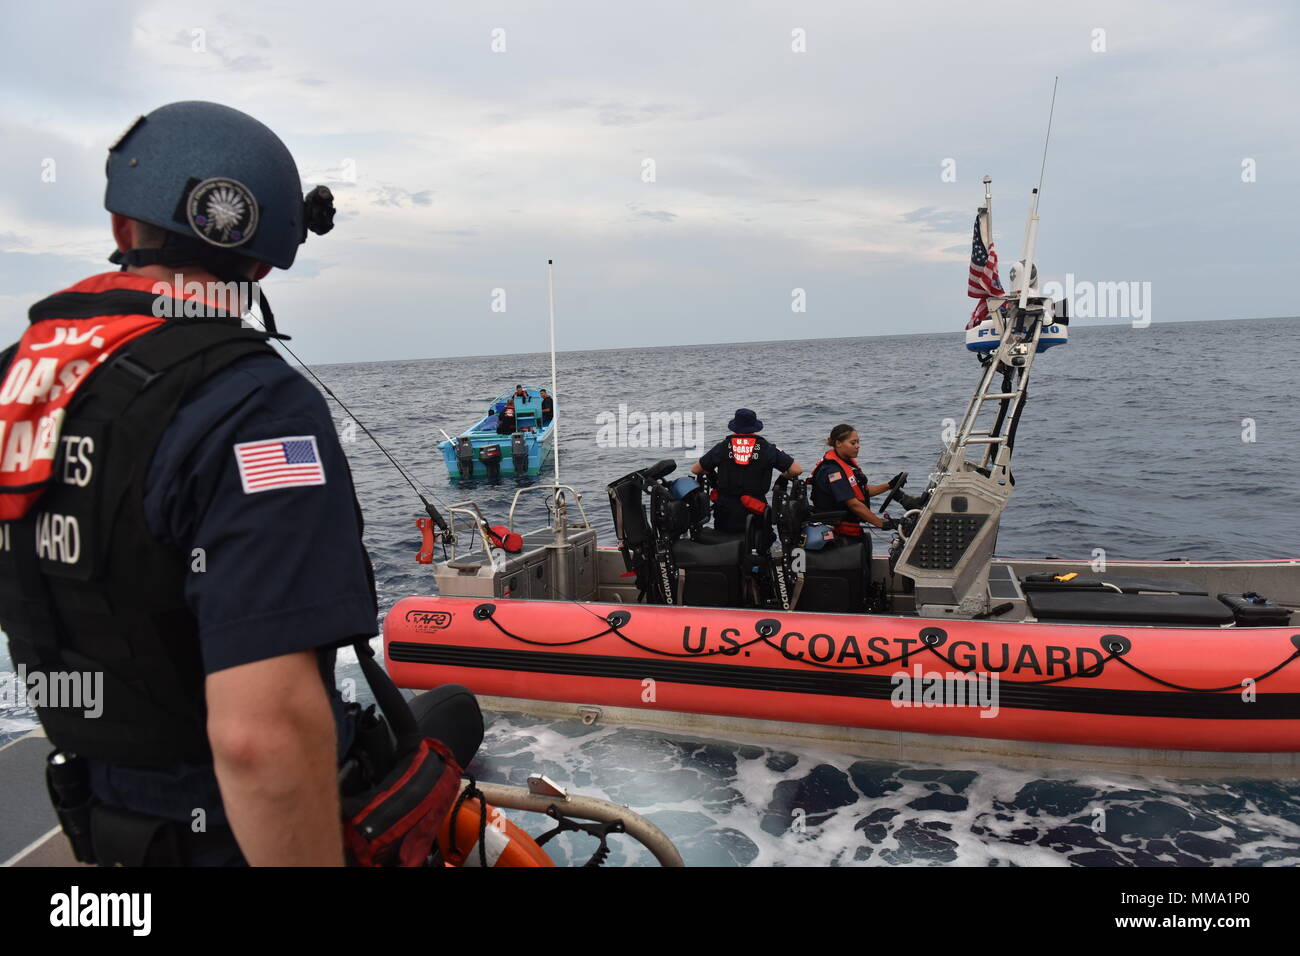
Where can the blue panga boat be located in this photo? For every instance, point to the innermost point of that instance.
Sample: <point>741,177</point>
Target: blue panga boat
<point>481,451</point>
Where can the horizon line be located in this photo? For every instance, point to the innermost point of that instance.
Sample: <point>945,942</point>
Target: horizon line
<point>830,338</point>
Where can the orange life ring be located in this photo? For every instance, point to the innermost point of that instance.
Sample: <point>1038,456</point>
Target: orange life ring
<point>506,844</point>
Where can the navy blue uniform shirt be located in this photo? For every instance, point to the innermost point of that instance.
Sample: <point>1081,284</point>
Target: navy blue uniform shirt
<point>283,568</point>
<point>832,488</point>
<point>829,479</point>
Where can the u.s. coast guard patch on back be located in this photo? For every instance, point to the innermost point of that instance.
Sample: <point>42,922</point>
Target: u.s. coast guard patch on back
<point>279,463</point>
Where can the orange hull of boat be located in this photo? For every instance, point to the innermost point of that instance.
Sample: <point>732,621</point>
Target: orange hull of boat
<point>1152,687</point>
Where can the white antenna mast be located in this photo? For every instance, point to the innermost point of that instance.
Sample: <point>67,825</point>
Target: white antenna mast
<point>555,423</point>
<point>1031,227</point>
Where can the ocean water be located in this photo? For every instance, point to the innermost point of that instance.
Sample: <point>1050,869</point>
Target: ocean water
<point>1176,440</point>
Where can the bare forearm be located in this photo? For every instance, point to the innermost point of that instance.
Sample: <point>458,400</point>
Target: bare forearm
<point>863,513</point>
<point>274,751</point>
<point>282,801</point>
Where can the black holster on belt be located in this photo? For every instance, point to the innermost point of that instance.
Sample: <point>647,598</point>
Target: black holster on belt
<point>110,836</point>
<point>125,838</point>
<point>68,780</point>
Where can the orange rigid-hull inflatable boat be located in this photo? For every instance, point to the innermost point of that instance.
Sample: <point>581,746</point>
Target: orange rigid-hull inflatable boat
<point>1168,688</point>
<point>793,622</point>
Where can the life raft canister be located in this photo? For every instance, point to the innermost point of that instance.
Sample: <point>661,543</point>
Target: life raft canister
<point>505,843</point>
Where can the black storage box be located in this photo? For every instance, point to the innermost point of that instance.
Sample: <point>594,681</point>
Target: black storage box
<point>1081,605</point>
<point>1252,610</point>
<point>1129,584</point>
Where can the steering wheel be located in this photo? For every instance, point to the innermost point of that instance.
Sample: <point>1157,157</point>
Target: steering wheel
<point>889,498</point>
<point>902,533</point>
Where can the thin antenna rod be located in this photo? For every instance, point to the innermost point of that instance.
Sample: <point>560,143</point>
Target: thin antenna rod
<point>988,206</point>
<point>555,422</point>
<point>419,493</point>
<point>1042,169</point>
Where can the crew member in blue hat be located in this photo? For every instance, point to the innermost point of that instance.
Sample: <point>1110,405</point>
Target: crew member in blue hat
<point>740,469</point>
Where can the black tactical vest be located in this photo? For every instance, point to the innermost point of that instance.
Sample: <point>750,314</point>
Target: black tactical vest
<point>84,585</point>
<point>753,479</point>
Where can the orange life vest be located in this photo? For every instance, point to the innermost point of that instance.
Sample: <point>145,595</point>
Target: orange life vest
<point>850,527</point>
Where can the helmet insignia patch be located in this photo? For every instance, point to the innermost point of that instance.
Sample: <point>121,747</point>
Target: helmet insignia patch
<point>222,211</point>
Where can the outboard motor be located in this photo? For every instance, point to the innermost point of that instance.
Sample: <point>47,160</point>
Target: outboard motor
<point>465,457</point>
<point>490,455</point>
<point>519,453</point>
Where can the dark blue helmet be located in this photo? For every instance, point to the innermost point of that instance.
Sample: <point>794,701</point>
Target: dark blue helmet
<point>218,179</point>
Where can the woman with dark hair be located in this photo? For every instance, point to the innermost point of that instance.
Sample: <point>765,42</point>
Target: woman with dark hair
<point>839,485</point>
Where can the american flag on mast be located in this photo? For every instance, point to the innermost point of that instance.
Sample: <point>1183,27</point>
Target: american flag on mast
<point>983,280</point>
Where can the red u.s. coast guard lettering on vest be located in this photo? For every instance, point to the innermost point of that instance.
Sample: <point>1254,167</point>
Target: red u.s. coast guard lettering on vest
<point>742,448</point>
<point>53,358</point>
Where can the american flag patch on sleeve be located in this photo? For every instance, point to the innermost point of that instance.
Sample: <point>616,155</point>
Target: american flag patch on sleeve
<point>279,463</point>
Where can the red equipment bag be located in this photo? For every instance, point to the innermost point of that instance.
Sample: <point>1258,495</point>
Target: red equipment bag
<point>401,817</point>
<point>505,539</point>
<point>395,820</point>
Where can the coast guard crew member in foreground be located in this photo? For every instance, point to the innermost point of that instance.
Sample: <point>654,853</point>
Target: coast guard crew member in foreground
<point>179,520</point>
<point>742,465</point>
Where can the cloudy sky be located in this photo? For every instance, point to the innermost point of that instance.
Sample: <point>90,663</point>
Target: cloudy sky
<point>833,147</point>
